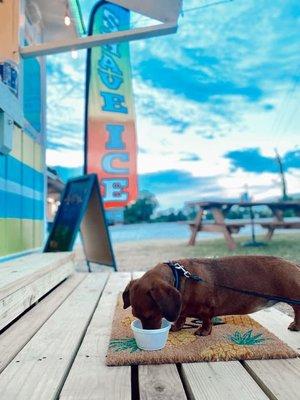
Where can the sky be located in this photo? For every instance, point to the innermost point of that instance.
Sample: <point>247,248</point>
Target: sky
<point>212,102</point>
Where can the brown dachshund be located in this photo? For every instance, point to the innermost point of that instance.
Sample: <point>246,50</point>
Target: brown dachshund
<point>154,296</point>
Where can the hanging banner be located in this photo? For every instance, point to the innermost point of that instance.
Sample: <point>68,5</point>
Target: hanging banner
<point>110,135</point>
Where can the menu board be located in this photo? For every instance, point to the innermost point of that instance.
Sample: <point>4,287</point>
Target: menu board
<point>81,209</point>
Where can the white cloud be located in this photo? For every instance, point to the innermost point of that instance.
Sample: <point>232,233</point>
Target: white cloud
<point>66,158</point>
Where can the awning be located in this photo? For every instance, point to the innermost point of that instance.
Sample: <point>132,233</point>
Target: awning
<point>162,10</point>
<point>58,36</point>
<point>52,14</point>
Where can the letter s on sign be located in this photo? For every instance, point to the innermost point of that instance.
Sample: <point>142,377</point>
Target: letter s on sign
<point>110,21</point>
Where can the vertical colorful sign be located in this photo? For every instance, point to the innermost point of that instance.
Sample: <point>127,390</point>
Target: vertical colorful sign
<point>110,135</point>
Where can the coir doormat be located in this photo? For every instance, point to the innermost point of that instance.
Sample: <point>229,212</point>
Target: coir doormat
<point>233,338</point>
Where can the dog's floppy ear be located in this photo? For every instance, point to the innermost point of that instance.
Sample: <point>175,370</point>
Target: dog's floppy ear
<point>168,300</point>
<point>126,295</point>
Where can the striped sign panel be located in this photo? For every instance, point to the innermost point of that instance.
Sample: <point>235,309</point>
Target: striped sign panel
<point>21,195</point>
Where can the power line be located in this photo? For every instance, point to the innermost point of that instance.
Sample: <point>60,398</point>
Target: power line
<point>280,122</point>
<point>289,120</point>
<point>187,10</point>
<point>215,3</point>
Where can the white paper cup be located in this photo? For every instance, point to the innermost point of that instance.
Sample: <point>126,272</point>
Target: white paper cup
<point>150,339</point>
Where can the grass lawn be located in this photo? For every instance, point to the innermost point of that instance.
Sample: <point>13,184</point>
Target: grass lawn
<point>143,255</point>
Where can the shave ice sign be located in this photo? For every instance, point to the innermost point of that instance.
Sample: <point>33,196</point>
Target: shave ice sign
<point>110,117</point>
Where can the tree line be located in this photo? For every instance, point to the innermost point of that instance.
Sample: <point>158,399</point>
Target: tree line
<point>144,210</point>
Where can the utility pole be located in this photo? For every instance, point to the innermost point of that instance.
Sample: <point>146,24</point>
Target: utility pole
<point>281,171</point>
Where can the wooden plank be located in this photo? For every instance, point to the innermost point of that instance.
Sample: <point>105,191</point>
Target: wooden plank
<point>218,215</point>
<point>21,271</point>
<point>220,381</point>
<point>40,368</point>
<point>33,261</point>
<point>279,378</point>
<point>277,322</point>
<point>61,46</point>
<point>16,336</point>
<point>19,262</point>
<point>15,303</point>
<point>160,382</point>
<point>281,225</point>
<point>220,222</point>
<point>89,377</point>
<point>196,227</point>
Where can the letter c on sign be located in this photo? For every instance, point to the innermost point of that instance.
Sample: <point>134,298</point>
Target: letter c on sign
<point>107,163</point>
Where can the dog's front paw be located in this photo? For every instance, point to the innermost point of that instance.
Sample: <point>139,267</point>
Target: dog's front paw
<point>294,327</point>
<point>202,332</point>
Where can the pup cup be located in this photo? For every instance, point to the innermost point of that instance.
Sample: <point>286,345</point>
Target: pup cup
<point>150,339</point>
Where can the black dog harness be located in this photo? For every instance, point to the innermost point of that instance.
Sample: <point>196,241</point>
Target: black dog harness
<point>179,271</point>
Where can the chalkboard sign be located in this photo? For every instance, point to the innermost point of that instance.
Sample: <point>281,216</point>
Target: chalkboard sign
<point>81,208</point>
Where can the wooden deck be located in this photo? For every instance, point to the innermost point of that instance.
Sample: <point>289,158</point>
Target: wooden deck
<point>56,350</point>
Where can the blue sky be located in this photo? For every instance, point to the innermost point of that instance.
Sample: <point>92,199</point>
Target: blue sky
<point>212,102</point>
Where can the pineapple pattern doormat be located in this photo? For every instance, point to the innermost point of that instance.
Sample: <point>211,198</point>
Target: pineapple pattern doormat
<point>233,337</point>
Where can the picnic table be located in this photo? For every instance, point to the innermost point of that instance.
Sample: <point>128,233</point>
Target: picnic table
<point>228,227</point>
<point>57,345</point>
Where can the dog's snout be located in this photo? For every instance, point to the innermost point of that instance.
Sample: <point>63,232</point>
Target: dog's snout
<point>151,323</point>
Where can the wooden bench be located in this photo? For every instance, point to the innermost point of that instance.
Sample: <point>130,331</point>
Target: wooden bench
<point>57,350</point>
<point>226,227</point>
<point>271,226</point>
<point>23,281</point>
<point>233,227</point>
